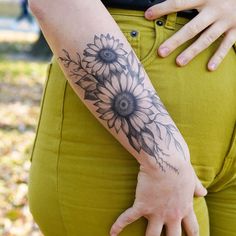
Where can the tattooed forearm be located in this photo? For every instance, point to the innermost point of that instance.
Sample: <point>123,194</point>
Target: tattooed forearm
<point>113,80</point>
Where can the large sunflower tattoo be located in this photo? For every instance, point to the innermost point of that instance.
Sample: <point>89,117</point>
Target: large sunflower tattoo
<point>123,102</point>
<point>113,80</point>
<point>105,55</point>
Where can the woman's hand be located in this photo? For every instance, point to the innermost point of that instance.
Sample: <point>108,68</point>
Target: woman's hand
<point>215,18</point>
<point>164,198</point>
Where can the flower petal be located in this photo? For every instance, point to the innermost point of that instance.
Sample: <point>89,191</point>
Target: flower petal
<point>133,123</point>
<point>115,83</point>
<point>91,64</point>
<point>138,89</point>
<point>104,98</point>
<point>103,105</point>
<point>143,116</point>
<point>144,103</point>
<point>146,111</point>
<point>110,88</point>
<point>105,91</point>
<point>125,126</point>
<point>143,94</point>
<point>123,81</point>
<point>106,71</point>
<point>98,42</point>
<point>89,59</point>
<point>104,41</point>
<point>122,61</point>
<point>138,121</point>
<point>101,70</point>
<point>129,82</point>
<point>111,122</point>
<point>116,43</point>
<point>97,66</point>
<point>112,67</point>
<point>118,67</point>
<point>118,124</point>
<point>90,52</point>
<point>121,51</point>
<point>107,116</point>
<point>93,47</point>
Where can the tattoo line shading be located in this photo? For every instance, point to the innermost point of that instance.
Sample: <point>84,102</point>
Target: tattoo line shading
<point>114,81</point>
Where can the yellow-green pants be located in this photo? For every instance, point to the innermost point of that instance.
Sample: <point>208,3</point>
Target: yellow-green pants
<point>81,178</point>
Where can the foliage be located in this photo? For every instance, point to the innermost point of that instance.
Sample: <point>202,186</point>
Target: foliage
<point>21,85</point>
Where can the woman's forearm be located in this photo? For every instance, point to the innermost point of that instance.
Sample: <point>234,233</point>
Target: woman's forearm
<point>103,70</point>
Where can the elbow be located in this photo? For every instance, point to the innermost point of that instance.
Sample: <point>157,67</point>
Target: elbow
<point>37,7</point>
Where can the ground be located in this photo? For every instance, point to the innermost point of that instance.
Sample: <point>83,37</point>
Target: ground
<point>21,86</point>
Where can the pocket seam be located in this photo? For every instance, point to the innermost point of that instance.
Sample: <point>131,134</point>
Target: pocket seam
<point>41,108</point>
<point>228,160</point>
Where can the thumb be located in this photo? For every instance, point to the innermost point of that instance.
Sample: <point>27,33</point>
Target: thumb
<point>200,191</point>
<point>127,217</point>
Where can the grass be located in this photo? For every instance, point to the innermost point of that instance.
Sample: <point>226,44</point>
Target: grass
<point>9,10</point>
<point>21,86</point>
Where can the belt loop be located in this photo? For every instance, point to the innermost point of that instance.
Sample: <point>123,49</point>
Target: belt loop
<point>171,21</point>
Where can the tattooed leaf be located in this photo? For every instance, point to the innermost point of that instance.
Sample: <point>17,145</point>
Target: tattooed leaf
<point>135,144</point>
<point>133,64</point>
<point>148,143</point>
<point>172,128</point>
<point>88,82</point>
<point>158,130</point>
<point>179,148</point>
<point>90,96</point>
<point>168,139</point>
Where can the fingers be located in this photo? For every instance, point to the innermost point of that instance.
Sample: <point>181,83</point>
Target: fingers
<point>190,224</point>
<point>200,190</point>
<point>170,6</point>
<point>154,228</point>
<point>127,217</point>
<point>225,46</point>
<point>188,31</point>
<point>174,229</point>
<point>203,42</point>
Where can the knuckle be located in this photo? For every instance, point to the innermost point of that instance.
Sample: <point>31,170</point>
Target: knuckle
<point>220,56</point>
<point>195,50</point>
<point>209,39</point>
<point>194,230</point>
<point>192,30</point>
<point>176,41</point>
<point>178,5</point>
<point>231,40</point>
<point>129,218</point>
<point>175,215</point>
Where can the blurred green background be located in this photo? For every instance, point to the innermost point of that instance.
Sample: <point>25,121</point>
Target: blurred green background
<point>22,74</point>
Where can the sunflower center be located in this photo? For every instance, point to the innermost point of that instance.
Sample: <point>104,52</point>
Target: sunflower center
<point>124,104</point>
<point>107,55</point>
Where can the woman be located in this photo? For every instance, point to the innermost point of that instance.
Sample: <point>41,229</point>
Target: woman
<point>81,178</point>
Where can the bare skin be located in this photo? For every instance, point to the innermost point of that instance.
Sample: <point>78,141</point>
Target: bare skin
<point>104,72</point>
<point>215,18</point>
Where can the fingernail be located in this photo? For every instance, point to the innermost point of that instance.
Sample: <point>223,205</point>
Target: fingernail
<point>182,60</point>
<point>212,66</point>
<point>164,51</point>
<point>148,14</point>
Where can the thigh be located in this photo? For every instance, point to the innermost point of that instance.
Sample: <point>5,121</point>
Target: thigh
<point>221,198</point>
<point>222,212</point>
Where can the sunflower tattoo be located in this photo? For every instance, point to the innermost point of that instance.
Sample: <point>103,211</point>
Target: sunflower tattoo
<point>114,81</point>
<point>105,55</point>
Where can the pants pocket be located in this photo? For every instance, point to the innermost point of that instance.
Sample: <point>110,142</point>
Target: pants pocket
<point>140,33</point>
<point>227,175</point>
